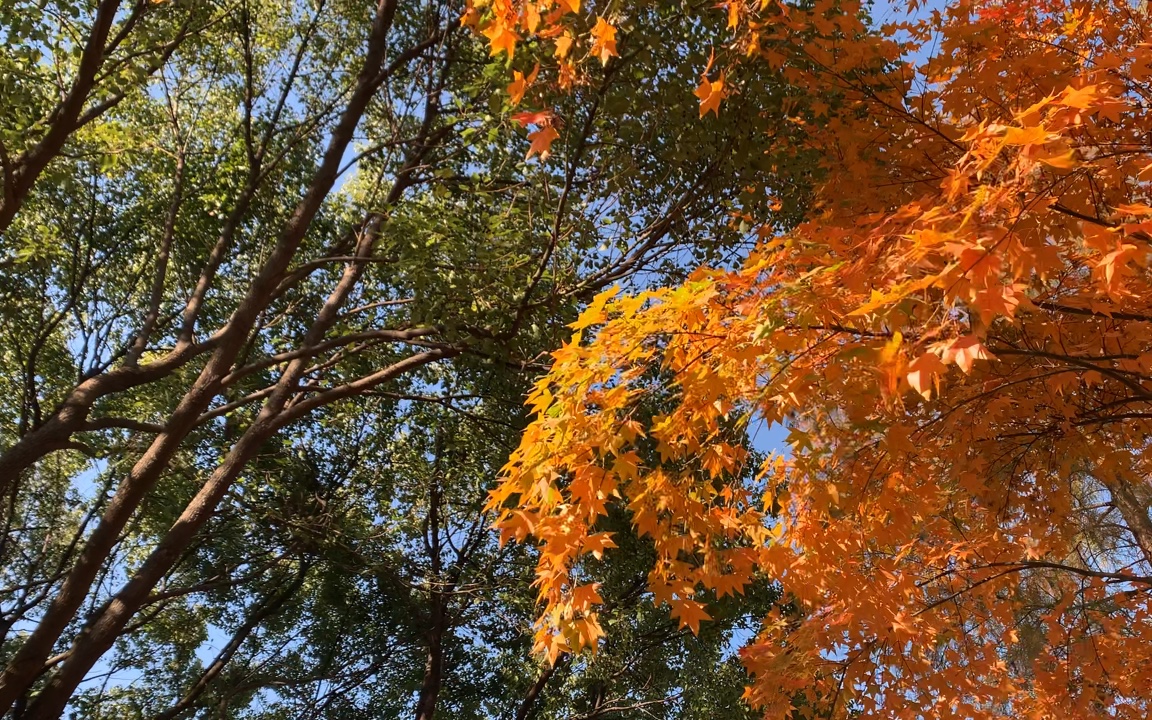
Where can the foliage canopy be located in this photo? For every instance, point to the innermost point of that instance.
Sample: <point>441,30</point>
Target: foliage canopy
<point>957,341</point>
<point>275,278</point>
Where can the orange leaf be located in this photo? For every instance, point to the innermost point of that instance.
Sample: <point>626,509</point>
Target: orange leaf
<point>533,117</point>
<point>1134,209</point>
<point>542,140</point>
<point>1063,161</point>
<point>603,40</point>
<point>501,37</point>
<point>1025,136</point>
<point>598,543</point>
<point>924,373</point>
<point>689,613</point>
<point>588,631</point>
<point>531,17</point>
<point>1080,99</point>
<point>596,312</point>
<point>710,92</point>
<point>517,87</point>
<point>585,596</point>
<point>965,351</point>
<point>470,18</point>
<point>520,84</point>
<point>564,45</point>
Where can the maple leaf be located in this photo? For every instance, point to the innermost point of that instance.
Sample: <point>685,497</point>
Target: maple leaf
<point>603,40</point>
<point>542,140</point>
<point>728,585</point>
<point>1134,209</point>
<point>710,92</point>
<point>591,489</point>
<point>516,88</point>
<point>1060,160</point>
<point>965,351</point>
<point>1025,135</point>
<point>520,84</point>
<point>572,6</point>
<point>626,465</point>
<point>595,313</point>
<point>733,14</point>
<point>585,596</point>
<point>541,397</point>
<point>1114,266</point>
<point>924,373</point>
<point>470,18</point>
<point>598,543</point>
<point>531,17</point>
<point>564,45</point>
<point>501,37</point>
<point>551,646</point>
<point>689,613</point>
<point>1080,98</point>
<point>567,77</point>
<point>517,525</point>
<point>646,521</point>
<point>588,631</point>
<point>662,592</point>
<point>533,117</point>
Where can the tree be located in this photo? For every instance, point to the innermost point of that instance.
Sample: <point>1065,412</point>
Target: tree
<point>257,262</point>
<point>956,341</point>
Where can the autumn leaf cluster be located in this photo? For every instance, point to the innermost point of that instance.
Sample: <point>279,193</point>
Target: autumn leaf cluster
<point>958,343</point>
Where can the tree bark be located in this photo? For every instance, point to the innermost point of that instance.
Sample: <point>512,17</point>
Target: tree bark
<point>433,664</point>
<point>528,706</point>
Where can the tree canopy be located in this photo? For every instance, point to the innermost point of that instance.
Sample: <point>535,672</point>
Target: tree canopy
<point>277,277</point>
<point>956,340</point>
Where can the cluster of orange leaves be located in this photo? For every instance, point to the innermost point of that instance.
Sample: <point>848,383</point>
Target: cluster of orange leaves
<point>959,342</point>
<point>506,23</point>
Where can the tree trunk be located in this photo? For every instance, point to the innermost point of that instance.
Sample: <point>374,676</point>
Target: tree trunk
<point>433,664</point>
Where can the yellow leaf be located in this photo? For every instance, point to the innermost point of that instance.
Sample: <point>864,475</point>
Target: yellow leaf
<point>891,348</point>
<point>594,314</point>
<point>1025,135</point>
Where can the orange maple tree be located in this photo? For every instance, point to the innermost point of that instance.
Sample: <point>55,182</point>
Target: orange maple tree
<point>959,342</point>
